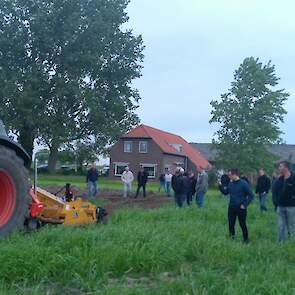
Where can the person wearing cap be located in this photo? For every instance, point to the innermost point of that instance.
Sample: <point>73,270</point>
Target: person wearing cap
<point>178,186</point>
<point>201,188</point>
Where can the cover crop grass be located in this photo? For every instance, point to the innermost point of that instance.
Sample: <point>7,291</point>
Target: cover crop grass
<point>151,252</point>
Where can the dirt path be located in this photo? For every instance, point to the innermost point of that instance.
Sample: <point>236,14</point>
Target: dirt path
<point>113,199</point>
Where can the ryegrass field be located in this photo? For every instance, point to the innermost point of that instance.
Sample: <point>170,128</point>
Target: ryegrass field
<point>151,252</point>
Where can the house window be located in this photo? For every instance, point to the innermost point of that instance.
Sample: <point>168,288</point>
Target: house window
<point>143,147</point>
<point>177,146</point>
<point>127,146</point>
<point>119,168</point>
<point>151,169</point>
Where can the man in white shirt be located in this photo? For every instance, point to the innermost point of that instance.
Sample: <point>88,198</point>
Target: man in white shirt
<point>127,179</point>
<point>168,181</point>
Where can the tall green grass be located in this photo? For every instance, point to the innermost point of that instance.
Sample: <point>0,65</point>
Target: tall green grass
<point>152,252</point>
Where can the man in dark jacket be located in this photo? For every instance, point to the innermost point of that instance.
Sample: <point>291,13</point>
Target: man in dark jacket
<point>142,178</point>
<point>274,179</point>
<point>190,184</point>
<point>162,182</point>
<point>285,191</point>
<point>262,189</point>
<point>240,197</point>
<point>91,179</point>
<point>178,185</point>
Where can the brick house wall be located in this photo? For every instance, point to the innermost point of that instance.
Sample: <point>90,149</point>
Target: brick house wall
<point>172,161</point>
<point>134,159</point>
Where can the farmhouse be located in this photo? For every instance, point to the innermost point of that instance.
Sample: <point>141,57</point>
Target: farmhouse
<point>155,150</point>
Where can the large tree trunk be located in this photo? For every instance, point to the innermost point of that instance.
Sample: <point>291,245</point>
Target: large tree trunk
<point>26,139</point>
<point>53,156</point>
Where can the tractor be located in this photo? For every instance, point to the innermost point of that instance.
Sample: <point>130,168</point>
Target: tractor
<point>24,206</point>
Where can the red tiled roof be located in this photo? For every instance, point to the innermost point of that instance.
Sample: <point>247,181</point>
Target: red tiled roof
<point>165,139</point>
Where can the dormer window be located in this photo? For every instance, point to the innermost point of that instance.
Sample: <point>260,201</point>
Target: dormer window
<point>177,146</point>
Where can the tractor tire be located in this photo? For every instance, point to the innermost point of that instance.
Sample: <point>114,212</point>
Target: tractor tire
<point>14,192</point>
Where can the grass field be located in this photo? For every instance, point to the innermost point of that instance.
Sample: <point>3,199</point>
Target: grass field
<point>151,252</point>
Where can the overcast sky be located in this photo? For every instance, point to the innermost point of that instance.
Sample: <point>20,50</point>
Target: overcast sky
<point>192,50</point>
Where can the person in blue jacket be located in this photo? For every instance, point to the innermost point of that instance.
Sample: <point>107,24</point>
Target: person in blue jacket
<point>91,179</point>
<point>241,196</point>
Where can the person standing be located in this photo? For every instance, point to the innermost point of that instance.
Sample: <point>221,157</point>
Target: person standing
<point>241,196</point>
<point>127,179</point>
<point>178,187</point>
<point>168,182</point>
<point>274,179</point>
<point>192,181</point>
<point>69,194</point>
<point>201,188</point>
<point>91,179</point>
<point>162,182</point>
<point>262,189</point>
<point>142,178</point>
<point>285,191</point>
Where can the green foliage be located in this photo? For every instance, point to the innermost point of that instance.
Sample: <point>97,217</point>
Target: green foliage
<point>66,156</point>
<point>66,70</point>
<point>151,252</point>
<point>212,178</point>
<point>249,115</point>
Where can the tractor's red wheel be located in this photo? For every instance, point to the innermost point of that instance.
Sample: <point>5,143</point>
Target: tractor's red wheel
<point>7,197</point>
<point>14,192</point>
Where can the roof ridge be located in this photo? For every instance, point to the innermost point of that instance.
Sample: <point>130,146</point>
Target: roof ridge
<point>157,129</point>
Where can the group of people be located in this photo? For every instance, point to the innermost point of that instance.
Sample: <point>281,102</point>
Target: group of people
<point>189,186</point>
<point>241,195</point>
<point>184,185</point>
<point>127,180</point>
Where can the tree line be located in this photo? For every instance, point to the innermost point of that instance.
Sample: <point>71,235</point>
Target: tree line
<point>66,72</point>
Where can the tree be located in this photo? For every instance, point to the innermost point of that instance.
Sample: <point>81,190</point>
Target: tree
<point>249,115</point>
<point>71,70</point>
<point>85,152</point>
